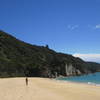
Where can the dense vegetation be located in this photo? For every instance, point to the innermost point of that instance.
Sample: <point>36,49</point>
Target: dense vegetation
<point>18,58</point>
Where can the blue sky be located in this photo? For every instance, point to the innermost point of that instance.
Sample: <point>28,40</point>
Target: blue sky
<point>69,26</point>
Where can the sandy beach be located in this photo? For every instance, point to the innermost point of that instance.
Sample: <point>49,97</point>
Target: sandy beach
<point>46,89</point>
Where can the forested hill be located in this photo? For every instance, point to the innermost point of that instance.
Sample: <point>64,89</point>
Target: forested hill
<point>18,58</point>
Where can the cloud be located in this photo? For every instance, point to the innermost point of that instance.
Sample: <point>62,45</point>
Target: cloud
<point>97,26</point>
<point>94,27</point>
<point>88,57</point>
<point>72,27</point>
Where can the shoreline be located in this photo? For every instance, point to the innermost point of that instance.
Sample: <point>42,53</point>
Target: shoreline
<point>78,79</point>
<point>57,80</point>
<point>84,83</point>
<point>46,89</point>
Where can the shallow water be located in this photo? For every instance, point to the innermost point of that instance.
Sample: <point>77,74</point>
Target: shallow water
<point>90,78</point>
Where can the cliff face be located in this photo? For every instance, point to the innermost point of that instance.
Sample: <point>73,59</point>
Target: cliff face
<point>71,70</point>
<point>18,58</point>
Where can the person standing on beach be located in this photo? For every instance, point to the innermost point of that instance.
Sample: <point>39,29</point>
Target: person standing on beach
<point>26,81</point>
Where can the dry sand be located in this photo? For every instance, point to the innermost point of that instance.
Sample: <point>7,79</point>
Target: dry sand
<point>46,89</point>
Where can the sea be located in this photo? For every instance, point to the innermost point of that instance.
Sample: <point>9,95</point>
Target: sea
<point>93,79</point>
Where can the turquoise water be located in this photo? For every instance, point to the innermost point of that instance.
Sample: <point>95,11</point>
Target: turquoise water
<point>90,79</point>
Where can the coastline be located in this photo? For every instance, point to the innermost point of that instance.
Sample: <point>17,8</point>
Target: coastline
<point>91,79</point>
<point>84,83</point>
<point>46,89</point>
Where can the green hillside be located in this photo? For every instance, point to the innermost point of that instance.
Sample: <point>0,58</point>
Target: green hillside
<point>18,58</point>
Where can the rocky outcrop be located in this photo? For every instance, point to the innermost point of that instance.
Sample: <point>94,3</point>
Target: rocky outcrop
<point>70,70</point>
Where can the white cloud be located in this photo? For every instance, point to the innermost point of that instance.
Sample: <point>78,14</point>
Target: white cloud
<point>88,57</point>
<point>94,27</point>
<point>97,26</point>
<point>72,27</point>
